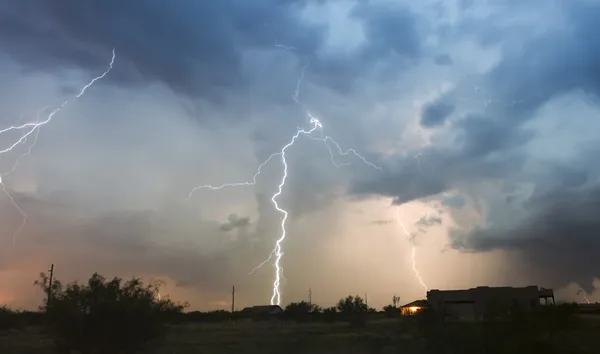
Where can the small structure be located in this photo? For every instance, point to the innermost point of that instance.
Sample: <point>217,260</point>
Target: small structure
<point>485,300</point>
<point>413,307</point>
<point>262,313</point>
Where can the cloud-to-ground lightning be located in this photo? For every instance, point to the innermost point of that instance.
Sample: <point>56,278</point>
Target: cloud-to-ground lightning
<point>582,293</point>
<point>414,250</point>
<point>34,128</point>
<point>277,252</point>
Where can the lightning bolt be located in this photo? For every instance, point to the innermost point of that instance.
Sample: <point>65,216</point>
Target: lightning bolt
<point>299,82</point>
<point>414,250</point>
<point>277,251</point>
<point>34,128</point>
<point>582,293</point>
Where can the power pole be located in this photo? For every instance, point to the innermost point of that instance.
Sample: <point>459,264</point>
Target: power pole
<point>233,300</point>
<point>310,296</point>
<point>366,300</point>
<point>50,286</point>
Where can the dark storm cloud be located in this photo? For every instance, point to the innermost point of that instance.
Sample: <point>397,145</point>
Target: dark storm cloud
<point>467,161</point>
<point>234,222</point>
<point>443,60</point>
<point>195,47</point>
<point>382,222</point>
<point>436,113</point>
<point>548,66</point>
<point>559,243</point>
<point>391,39</point>
<point>558,237</point>
<point>429,220</point>
<point>192,46</point>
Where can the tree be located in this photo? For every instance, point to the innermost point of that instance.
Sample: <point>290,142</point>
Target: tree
<point>352,305</point>
<point>301,311</point>
<point>353,309</point>
<point>393,310</point>
<point>330,314</point>
<point>107,316</point>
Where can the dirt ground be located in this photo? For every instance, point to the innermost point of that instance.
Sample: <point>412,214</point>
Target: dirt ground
<point>378,336</point>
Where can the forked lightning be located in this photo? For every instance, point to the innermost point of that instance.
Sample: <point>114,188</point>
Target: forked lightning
<point>277,252</point>
<point>34,128</point>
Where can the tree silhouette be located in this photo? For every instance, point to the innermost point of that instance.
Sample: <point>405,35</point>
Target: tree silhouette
<point>107,316</point>
<point>354,310</point>
<point>352,305</point>
<point>301,311</point>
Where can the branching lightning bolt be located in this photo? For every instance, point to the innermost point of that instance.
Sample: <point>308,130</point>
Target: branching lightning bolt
<point>582,293</point>
<point>277,252</point>
<point>414,250</point>
<point>296,94</point>
<point>34,128</point>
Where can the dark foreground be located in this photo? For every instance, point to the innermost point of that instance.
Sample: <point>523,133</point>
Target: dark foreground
<point>401,335</point>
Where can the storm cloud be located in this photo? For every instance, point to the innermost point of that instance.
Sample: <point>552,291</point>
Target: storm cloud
<point>485,109</point>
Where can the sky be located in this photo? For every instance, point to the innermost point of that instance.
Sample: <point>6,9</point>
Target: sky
<point>481,114</point>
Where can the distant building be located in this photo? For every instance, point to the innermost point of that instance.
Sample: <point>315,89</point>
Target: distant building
<point>262,312</point>
<point>483,300</point>
<point>413,307</point>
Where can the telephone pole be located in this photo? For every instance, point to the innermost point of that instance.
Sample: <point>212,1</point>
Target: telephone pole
<point>366,301</point>
<point>50,286</point>
<point>233,299</point>
<point>310,296</point>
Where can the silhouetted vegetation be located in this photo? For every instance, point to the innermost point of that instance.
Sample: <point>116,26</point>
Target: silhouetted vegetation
<point>393,310</point>
<point>302,311</point>
<point>354,310</point>
<point>106,316</point>
<point>113,316</point>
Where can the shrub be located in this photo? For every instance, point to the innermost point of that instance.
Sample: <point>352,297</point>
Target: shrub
<point>8,318</point>
<point>330,314</point>
<point>107,316</point>
<point>354,310</point>
<point>392,311</point>
<point>301,311</point>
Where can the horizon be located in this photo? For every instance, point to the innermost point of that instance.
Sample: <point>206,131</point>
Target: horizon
<point>338,145</point>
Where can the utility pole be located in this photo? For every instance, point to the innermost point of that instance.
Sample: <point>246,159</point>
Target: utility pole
<point>366,300</point>
<point>310,296</point>
<point>50,286</point>
<point>233,299</point>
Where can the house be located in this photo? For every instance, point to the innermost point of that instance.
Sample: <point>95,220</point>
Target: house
<point>414,307</point>
<point>485,300</point>
<point>262,312</point>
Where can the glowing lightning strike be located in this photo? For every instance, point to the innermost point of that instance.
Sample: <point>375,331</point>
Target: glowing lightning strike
<point>277,252</point>
<point>296,94</point>
<point>34,128</point>
<point>413,256</point>
<point>582,292</point>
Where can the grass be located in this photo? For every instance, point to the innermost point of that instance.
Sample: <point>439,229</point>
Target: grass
<point>383,336</point>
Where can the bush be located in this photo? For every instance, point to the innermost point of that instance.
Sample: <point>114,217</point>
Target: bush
<point>107,316</point>
<point>8,318</point>
<point>354,310</point>
<point>392,311</point>
<point>301,311</point>
<point>330,314</point>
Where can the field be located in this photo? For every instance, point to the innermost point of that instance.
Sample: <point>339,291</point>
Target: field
<point>379,335</point>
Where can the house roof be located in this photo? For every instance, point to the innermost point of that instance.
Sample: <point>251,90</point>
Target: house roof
<point>262,309</point>
<point>417,303</point>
